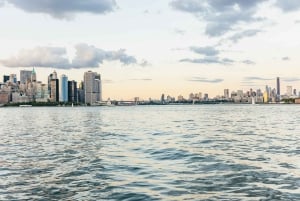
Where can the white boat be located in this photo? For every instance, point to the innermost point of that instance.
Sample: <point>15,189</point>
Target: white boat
<point>25,105</point>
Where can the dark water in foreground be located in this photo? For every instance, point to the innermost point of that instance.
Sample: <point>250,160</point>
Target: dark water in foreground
<point>213,152</point>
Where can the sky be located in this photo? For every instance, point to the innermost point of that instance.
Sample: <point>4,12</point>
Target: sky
<point>148,47</point>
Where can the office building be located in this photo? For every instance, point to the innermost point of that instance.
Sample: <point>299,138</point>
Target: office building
<point>54,93</point>
<point>13,78</point>
<point>92,87</point>
<point>226,93</point>
<point>25,76</point>
<point>72,91</point>
<point>289,90</point>
<point>278,86</point>
<point>63,88</point>
<point>51,77</point>
<point>33,76</point>
<point>5,78</point>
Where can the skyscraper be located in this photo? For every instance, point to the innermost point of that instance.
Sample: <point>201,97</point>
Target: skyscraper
<point>5,78</point>
<point>63,89</point>
<point>92,87</point>
<point>54,95</point>
<point>25,76</point>
<point>289,90</point>
<point>33,75</point>
<point>51,77</point>
<point>226,93</point>
<point>278,86</point>
<point>72,91</point>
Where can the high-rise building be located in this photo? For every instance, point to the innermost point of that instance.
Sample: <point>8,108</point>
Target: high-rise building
<point>51,77</point>
<point>295,92</point>
<point>13,78</point>
<point>54,94</point>
<point>289,90</point>
<point>5,78</point>
<point>92,87</point>
<point>80,93</point>
<point>278,86</point>
<point>226,93</point>
<point>25,76</point>
<point>63,89</point>
<point>33,75</point>
<point>72,91</point>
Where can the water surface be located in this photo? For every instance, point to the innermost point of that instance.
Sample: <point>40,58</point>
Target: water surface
<point>201,152</point>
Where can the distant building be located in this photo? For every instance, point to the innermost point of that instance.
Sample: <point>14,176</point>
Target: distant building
<point>72,91</point>
<point>289,91</point>
<point>54,95</point>
<point>205,97</point>
<point>63,88</point>
<point>51,77</point>
<point>226,93</point>
<point>42,94</point>
<point>278,86</point>
<point>5,78</point>
<point>266,97</point>
<point>80,93</point>
<point>33,76</point>
<point>4,97</point>
<point>162,99</point>
<point>25,76</point>
<point>180,98</point>
<point>295,92</point>
<point>92,87</point>
<point>13,78</point>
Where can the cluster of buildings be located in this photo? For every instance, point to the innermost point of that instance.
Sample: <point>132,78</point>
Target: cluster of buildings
<point>59,89</point>
<point>269,95</point>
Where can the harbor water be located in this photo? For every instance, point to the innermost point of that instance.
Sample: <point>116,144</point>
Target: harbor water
<point>179,152</point>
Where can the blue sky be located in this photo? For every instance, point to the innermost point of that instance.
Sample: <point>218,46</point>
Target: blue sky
<point>148,47</point>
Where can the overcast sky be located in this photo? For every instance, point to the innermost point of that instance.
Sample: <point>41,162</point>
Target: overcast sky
<point>148,47</point>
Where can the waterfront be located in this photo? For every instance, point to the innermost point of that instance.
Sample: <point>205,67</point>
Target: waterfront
<point>191,152</point>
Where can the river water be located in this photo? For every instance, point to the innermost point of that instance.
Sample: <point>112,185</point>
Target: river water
<point>200,152</point>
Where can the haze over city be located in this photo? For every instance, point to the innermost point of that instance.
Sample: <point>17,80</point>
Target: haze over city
<point>146,48</point>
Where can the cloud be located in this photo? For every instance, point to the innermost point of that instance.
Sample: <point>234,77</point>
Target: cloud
<point>207,51</point>
<point>86,56</point>
<point>142,79</point>
<point>108,81</point>
<point>209,60</point>
<point>61,9</point>
<point>253,78</point>
<point>205,80</point>
<point>248,62</point>
<point>247,33</point>
<point>297,21</point>
<point>288,5</point>
<point>144,63</point>
<point>39,56</point>
<point>290,79</point>
<point>221,16</point>
<point>179,31</point>
<point>285,58</point>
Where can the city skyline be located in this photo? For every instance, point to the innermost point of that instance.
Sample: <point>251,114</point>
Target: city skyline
<point>148,48</point>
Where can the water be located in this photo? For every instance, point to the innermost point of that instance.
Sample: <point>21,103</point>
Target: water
<point>201,152</point>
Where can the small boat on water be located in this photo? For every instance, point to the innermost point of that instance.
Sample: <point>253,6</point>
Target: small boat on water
<point>25,105</point>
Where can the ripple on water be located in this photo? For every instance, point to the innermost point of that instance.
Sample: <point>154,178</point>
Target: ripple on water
<point>200,152</point>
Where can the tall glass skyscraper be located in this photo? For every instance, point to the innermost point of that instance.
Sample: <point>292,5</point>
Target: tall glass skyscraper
<point>63,90</point>
<point>278,86</point>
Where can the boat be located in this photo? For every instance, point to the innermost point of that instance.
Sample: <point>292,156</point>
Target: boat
<point>25,105</point>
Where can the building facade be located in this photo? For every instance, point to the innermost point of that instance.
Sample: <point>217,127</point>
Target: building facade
<point>63,88</point>
<point>92,87</point>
